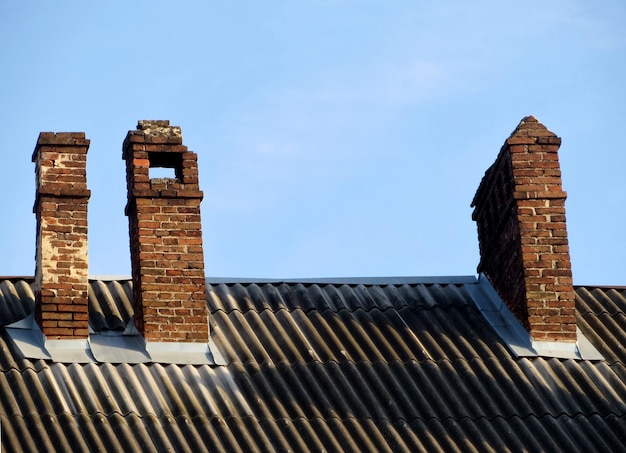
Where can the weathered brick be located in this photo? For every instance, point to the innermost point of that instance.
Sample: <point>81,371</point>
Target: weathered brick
<point>61,211</point>
<point>166,237</point>
<point>524,251</point>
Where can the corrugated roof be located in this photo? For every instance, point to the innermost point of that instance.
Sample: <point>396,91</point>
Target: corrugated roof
<point>327,366</point>
<point>601,312</point>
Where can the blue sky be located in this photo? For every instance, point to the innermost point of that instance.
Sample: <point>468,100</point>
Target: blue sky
<point>335,137</point>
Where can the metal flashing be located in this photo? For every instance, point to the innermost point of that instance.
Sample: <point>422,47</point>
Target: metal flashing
<point>69,351</point>
<point>218,358</point>
<point>126,346</point>
<point>557,349</point>
<point>33,344</point>
<point>119,348</point>
<point>516,338</point>
<point>28,338</point>
<point>586,350</point>
<point>182,353</point>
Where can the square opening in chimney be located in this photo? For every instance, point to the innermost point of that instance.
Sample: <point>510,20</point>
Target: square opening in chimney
<point>166,165</point>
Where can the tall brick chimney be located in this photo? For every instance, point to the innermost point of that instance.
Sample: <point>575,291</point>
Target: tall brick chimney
<point>61,275</point>
<point>165,236</point>
<point>519,209</point>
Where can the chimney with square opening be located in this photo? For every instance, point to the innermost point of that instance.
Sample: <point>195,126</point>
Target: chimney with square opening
<point>165,235</point>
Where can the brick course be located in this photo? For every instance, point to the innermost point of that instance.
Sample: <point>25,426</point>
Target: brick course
<point>165,235</point>
<point>61,274</point>
<point>519,209</point>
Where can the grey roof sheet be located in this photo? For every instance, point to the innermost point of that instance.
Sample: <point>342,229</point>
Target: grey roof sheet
<point>601,312</point>
<point>323,366</point>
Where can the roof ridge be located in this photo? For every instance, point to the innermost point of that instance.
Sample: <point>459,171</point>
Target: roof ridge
<point>351,281</point>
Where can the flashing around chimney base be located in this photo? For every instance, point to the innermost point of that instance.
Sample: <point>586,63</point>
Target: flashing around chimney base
<point>109,347</point>
<point>33,344</point>
<point>516,338</point>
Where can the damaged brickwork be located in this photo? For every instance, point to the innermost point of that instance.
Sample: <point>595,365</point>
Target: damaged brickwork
<point>165,236</point>
<point>61,275</point>
<point>519,210</point>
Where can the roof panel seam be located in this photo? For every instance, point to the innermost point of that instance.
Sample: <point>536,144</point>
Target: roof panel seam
<point>367,362</point>
<point>432,308</point>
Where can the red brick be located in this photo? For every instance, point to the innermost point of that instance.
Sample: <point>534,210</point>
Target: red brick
<point>527,257</point>
<point>166,244</point>
<point>61,208</point>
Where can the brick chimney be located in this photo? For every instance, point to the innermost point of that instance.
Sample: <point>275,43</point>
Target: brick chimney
<point>519,210</point>
<point>165,236</point>
<point>61,275</point>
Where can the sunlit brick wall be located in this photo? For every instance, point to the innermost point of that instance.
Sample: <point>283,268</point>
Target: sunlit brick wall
<point>165,235</point>
<point>61,275</point>
<point>519,209</point>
